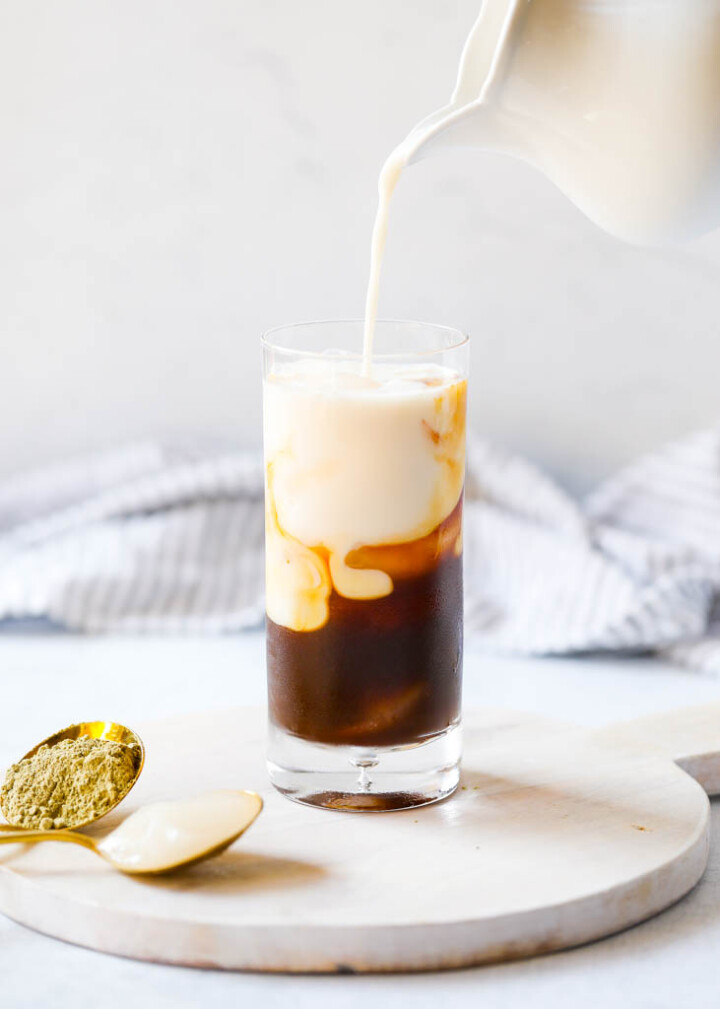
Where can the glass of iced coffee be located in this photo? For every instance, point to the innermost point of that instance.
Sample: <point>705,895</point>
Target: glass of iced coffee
<point>364,464</point>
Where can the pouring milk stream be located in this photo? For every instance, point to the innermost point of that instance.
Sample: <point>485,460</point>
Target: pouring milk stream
<point>616,101</point>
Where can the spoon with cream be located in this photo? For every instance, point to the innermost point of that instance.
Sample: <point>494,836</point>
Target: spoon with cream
<point>163,836</point>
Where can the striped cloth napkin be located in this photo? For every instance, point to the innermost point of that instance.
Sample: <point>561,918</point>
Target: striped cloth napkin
<point>154,538</point>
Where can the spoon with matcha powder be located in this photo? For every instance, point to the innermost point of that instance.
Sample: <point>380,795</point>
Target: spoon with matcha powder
<point>73,777</point>
<point>163,836</point>
<point>79,774</point>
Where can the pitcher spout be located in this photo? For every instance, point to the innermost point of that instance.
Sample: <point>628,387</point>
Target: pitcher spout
<point>480,125</point>
<point>473,117</point>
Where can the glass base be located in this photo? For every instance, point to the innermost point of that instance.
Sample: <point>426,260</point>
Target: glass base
<point>364,780</point>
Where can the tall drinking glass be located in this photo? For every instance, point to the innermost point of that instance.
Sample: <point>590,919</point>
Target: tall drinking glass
<point>364,474</point>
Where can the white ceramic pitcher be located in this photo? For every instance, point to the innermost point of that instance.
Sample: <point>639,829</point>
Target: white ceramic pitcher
<point>616,101</point>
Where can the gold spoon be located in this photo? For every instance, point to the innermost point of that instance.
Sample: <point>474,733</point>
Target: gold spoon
<point>113,731</point>
<point>163,836</point>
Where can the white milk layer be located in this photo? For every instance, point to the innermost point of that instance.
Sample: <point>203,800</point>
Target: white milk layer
<point>353,461</point>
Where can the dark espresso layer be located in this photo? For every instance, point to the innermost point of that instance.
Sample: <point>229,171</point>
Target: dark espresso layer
<point>381,672</point>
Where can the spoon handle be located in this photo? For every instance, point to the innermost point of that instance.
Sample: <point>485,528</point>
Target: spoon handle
<point>10,836</point>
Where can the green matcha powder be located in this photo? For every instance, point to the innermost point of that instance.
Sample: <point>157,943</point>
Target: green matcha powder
<point>67,784</point>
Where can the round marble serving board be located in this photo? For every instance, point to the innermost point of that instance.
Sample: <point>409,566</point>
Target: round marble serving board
<point>557,836</point>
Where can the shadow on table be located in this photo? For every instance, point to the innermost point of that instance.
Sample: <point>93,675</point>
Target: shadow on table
<point>238,872</point>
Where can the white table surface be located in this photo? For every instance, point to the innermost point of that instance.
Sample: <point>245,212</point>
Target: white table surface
<point>50,681</point>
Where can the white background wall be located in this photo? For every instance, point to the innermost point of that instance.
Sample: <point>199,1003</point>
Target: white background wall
<point>176,176</point>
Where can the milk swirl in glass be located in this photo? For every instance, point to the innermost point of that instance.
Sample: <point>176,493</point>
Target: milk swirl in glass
<point>364,485</point>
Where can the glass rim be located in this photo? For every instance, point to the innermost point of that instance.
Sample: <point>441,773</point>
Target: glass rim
<point>462,339</point>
